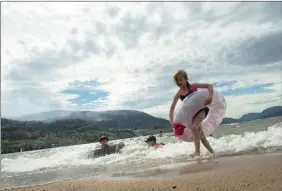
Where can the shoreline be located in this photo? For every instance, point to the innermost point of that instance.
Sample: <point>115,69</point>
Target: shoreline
<point>244,172</point>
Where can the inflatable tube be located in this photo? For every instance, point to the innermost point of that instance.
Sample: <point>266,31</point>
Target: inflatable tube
<point>105,151</point>
<point>192,104</point>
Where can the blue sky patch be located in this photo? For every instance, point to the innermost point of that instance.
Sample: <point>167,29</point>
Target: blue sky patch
<point>85,91</point>
<point>272,100</point>
<point>84,84</point>
<point>85,95</point>
<point>258,88</point>
<point>224,83</point>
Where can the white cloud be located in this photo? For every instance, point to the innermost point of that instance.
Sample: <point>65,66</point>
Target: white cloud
<point>238,105</point>
<point>133,49</point>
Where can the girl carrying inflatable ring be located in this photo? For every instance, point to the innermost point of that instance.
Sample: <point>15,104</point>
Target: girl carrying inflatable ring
<point>200,114</point>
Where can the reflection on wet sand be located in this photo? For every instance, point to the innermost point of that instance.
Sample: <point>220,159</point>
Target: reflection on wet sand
<point>167,171</point>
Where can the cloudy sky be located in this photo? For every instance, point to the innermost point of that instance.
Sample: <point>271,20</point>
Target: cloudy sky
<point>102,56</point>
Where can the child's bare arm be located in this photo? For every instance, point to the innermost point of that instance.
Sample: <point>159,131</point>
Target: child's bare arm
<point>204,86</point>
<point>172,107</point>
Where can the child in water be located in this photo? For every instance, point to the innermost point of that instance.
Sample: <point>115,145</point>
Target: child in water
<point>152,142</point>
<point>181,80</point>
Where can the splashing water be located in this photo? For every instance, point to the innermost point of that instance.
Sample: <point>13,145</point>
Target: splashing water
<point>135,155</point>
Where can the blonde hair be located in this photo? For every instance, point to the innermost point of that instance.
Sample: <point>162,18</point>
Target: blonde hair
<point>180,72</point>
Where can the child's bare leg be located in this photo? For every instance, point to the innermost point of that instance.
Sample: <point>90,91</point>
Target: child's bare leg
<point>207,145</point>
<point>204,140</point>
<point>195,131</point>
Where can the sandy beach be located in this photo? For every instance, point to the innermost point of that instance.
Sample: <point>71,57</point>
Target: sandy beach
<point>255,172</point>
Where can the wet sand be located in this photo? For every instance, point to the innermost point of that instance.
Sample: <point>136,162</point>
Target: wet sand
<point>256,172</point>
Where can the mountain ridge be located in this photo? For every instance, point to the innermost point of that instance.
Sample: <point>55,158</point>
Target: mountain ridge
<point>94,116</point>
<point>274,111</point>
<point>125,119</point>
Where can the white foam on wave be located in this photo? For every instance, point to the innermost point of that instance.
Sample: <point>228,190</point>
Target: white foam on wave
<point>136,151</point>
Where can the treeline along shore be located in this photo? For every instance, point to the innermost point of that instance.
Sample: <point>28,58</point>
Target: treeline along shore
<point>20,136</point>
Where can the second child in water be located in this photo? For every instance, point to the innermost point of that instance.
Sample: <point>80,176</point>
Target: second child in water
<point>185,88</point>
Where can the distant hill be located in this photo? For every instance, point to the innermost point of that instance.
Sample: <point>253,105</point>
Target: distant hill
<point>124,119</point>
<point>128,119</point>
<point>269,112</point>
<point>131,118</point>
<point>228,120</point>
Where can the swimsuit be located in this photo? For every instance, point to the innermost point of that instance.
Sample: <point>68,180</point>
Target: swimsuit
<point>158,145</point>
<point>191,90</point>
